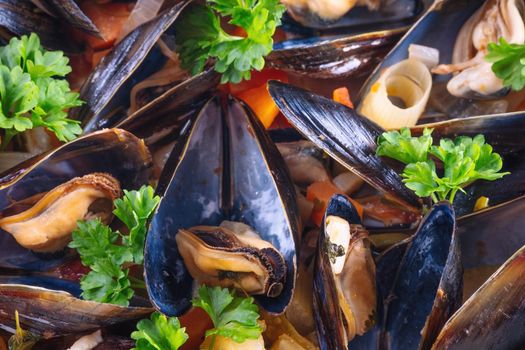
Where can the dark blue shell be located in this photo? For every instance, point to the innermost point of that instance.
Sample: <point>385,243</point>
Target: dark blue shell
<point>113,151</point>
<point>225,168</point>
<point>432,261</point>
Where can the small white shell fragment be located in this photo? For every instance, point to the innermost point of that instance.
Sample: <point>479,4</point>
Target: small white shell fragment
<point>87,342</point>
<point>429,56</point>
<point>338,231</point>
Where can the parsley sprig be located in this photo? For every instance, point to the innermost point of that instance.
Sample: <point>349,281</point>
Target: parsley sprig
<point>33,92</point>
<point>200,36</point>
<point>463,161</point>
<point>99,248</point>
<point>159,332</point>
<point>233,316</point>
<point>508,63</point>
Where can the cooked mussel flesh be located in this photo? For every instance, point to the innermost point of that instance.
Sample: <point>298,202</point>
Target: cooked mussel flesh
<point>47,225</point>
<point>232,255</point>
<point>474,76</point>
<point>344,277</point>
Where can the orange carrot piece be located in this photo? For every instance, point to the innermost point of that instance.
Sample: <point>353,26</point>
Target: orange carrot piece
<point>196,322</point>
<point>258,79</point>
<point>342,96</point>
<point>261,103</point>
<point>320,193</point>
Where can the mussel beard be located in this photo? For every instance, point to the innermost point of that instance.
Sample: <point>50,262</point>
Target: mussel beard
<point>218,256</point>
<point>46,226</point>
<point>473,74</point>
<point>355,283</point>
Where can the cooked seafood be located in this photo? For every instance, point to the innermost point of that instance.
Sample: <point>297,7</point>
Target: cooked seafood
<point>47,225</point>
<point>474,76</point>
<point>232,255</point>
<point>328,10</point>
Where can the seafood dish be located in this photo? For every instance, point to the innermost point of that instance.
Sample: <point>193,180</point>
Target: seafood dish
<point>262,174</point>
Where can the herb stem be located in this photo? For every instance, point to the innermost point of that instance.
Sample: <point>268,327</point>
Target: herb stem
<point>136,283</point>
<point>9,134</point>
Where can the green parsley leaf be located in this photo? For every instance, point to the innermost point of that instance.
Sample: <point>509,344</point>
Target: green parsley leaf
<point>464,161</point>
<point>107,283</point>
<point>99,248</point>
<point>33,92</point>
<point>133,210</point>
<point>233,317</point>
<point>400,145</point>
<point>200,36</point>
<point>159,333</point>
<point>508,63</point>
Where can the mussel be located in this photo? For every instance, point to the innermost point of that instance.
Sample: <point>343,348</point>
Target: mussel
<point>51,307</point>
<point>69,11</point>
<point>80,178</point>
<point>45,227</point>
<point>460,31</point>
<point>344,277</point>
<point>107,90</point>
<point>428,286</point>
<point>225,168</point>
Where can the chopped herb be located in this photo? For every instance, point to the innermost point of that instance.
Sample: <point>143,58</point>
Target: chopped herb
<point>22,340</point>
<point>334,250</point>
<point>508,63</point>
<point>464,161</point>
<point>200,36</point>
<point>97,244</point>
<point>159,333</point>
<point>33,92</point>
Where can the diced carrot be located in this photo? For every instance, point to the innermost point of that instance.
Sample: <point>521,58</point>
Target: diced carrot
<point>80,71</point>
<point>108,18</point>
<point>261,103</point>
<point>320,193</point>
<point>342,96</point>
<point>258,79</point>
<point>196,322</point>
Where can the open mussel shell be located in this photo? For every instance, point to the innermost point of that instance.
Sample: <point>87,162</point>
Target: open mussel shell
<point>107,90</point>
<point>337,57</point>
<point>50,307</point>
<point>331,322</point>
<point>225,169</point>
<point>22,18</point>
<point>437,28</point>
<point>112,151</point>
<point>428,286</point>
<point>493,317</point>
<point>344,135</point>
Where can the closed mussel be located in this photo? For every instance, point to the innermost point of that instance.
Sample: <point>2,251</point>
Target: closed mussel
<point>428,286</point>
<point>344,277</point>
<point>227,216</point>
<point>42,199</point>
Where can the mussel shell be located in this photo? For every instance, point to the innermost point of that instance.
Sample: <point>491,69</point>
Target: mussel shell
<point>21,18</point>
<point>338,57</point>
<point>438,28</point>
<point>163,119</point>
<point>493,317</point>
<point>428,285</point>
<point>343,134</point>
<point>112,151</point>
<point>327,312</point>
<point>50,307</point>
<point>69,11</point>
<point>106,90</point>
<point>226,168</point>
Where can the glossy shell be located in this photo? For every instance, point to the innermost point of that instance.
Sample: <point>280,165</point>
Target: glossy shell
<point>226,169</point>
<point>51,307</point>
<point>98,152</point>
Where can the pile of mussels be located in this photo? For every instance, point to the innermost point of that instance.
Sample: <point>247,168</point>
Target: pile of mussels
<point>380,268</point>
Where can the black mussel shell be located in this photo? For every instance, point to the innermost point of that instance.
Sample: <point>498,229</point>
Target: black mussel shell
<point>493,317</point>
<point>112,151</point>
<point>69,11</point>
<point>107,90</point>
<point>344,135</point>
<point>428,286</point>
<point>226,168</point>
<point>49,307</point>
